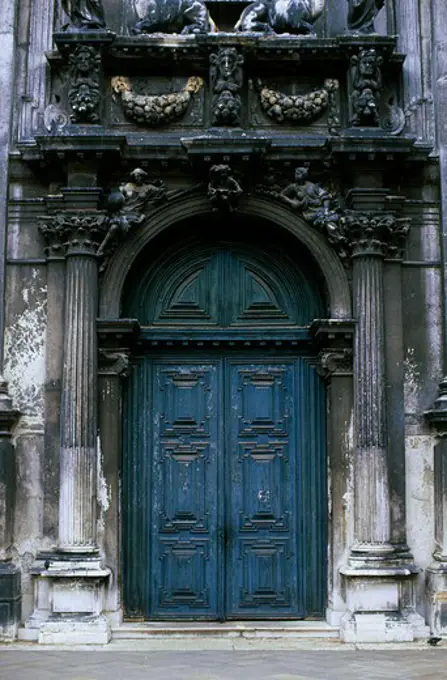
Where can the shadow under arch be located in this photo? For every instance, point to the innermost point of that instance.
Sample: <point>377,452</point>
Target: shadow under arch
<point>339,296</point>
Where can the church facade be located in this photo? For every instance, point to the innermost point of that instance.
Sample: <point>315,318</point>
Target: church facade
<point>223,339</point>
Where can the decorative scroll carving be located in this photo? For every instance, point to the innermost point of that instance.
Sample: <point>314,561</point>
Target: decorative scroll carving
<point>85,15</point>
<point>335,362</point>
<point>296,109</point>
<point>114,363</point>
<point>277,16</point>
<point>173,16</point>
<point>54,119</point>
<point>153,110</point>
<point>361,15</point>
<point>223,189</point>
<point>84,94</point>
<point>226,82</point>
<point>367,85</point>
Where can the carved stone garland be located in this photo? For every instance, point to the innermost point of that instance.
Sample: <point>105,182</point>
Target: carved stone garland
<point>153,110</point>
<point>301,108</point>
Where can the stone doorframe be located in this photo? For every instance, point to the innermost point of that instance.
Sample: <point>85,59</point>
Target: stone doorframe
<point>370,576</point>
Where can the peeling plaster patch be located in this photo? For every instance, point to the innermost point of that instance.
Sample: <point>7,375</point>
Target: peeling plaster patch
<point>412,378</point>
<point>25,350</point>
<point>103,491</point>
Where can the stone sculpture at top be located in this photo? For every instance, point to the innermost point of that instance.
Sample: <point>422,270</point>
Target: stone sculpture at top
<point>281,16</point>
<point>361,15</point>
<point>84,15</point>
<point>172,16</point>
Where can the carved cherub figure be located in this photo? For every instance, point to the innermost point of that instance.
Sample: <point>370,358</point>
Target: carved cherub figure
<point>126,205</point>
<point>308,197</point>
<point>361,15</point>
<point>85,15</point>
<point>223,189</point>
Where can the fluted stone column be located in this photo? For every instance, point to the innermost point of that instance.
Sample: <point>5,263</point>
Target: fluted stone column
<point>378,574</point>
<point>75,574</point>
<point>78,457</point>
<point>372,502</point>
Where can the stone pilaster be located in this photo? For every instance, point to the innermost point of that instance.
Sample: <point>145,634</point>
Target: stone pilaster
<point>379,606</point>
<point>76,578</point>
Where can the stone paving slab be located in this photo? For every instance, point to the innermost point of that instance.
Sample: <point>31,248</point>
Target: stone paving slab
<point>337,664</point>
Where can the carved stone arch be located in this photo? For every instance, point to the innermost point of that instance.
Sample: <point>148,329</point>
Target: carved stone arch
<point>334,274</point>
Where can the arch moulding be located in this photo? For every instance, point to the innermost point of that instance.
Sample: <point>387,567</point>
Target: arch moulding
<point>177,210</point>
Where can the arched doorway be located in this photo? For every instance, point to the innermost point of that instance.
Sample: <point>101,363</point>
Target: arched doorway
<point>224,459</point>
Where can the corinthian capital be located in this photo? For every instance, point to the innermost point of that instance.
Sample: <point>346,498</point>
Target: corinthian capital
<point>358,233</point>
<point>71,232</point>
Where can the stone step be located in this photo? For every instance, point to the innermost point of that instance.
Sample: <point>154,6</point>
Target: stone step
<point>237,629</point>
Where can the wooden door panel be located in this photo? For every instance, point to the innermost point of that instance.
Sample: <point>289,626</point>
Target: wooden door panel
<point>186,444</point>
<point>262,514</point>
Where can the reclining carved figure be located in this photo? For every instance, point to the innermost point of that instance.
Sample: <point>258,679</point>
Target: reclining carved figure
<point>172,16</point>
<point>281,16</point>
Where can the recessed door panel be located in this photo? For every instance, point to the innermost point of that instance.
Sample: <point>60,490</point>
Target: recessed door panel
<point>184,457</point>
<point>262,472</point>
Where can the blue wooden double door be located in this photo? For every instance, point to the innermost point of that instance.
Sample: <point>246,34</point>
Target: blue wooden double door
<point>224,488</point>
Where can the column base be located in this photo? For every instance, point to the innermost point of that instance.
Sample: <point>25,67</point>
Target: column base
<point>380,599</point>
<point>10,600</point>
<point>378,627</point>
<point>70,601</point>
<point>78,630</point>
<point>436,590</point>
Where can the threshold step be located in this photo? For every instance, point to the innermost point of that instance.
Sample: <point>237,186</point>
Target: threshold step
<point>237,629</point>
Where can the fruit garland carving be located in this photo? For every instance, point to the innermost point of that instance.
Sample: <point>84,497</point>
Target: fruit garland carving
<point>296,108</point>
<point>153,110</point>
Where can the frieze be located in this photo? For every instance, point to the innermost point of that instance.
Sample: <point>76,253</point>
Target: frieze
<point>226,82</point>
<point>154,110</point>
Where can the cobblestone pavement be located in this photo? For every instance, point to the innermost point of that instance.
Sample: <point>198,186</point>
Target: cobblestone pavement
<point>82,664</point>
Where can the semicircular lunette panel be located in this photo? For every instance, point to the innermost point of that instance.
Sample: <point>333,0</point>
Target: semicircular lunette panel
<point>225,285</point>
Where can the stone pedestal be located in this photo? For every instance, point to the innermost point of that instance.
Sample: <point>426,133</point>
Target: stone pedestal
<point>379,574</point>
